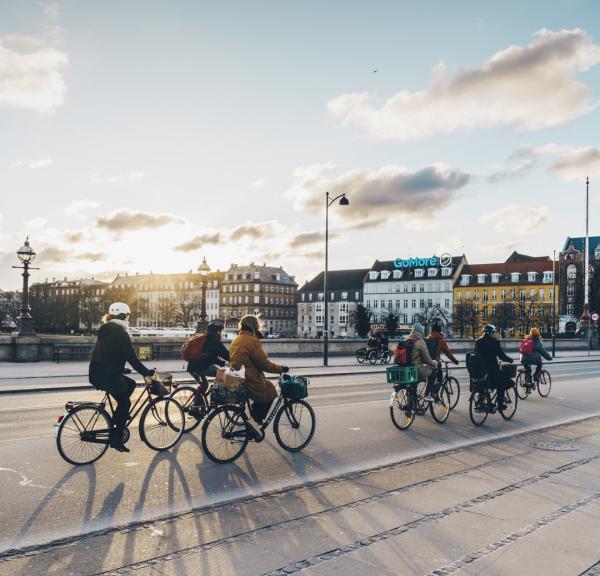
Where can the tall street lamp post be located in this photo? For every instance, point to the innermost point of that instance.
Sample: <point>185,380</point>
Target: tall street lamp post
<point>204,270</point>
<point>26,255</point>
<point>554,305</point>
<point>328,202</point>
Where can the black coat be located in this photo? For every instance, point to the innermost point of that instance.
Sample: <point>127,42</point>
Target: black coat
<point>490,351</point>
<point>112,350</point>
<point>214,352</point>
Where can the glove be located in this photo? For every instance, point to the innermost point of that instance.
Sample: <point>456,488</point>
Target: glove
<point>285,369</point>
<point>456,362</point>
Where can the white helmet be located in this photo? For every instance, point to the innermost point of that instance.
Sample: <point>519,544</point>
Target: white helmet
<point>119,308</point>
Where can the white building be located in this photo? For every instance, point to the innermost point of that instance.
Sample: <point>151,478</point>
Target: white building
<point>416,289</point>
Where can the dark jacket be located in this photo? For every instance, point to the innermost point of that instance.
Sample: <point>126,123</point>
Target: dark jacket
<point>112,350</point>
<point>214,352</point>
<point>490,351</point>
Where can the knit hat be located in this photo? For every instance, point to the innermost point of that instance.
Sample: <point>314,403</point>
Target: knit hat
<point>419,328</point>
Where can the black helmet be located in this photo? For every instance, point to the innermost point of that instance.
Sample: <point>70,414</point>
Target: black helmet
<point>436,326</point>
<point>215,326</point>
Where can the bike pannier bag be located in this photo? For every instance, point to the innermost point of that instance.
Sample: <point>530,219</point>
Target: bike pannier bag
<point>193,348</point>
<point>295,387</point>
<point>526,346</point>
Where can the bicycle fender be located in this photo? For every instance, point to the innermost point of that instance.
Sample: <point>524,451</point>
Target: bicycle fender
<point>392,397</point>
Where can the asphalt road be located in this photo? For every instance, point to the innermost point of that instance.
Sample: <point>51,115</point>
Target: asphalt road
<point>44,498</point>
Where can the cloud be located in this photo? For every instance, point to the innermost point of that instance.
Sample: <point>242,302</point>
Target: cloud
<point>36,223</point>
<point>200,241</point>
<point>128,221</point>
<point>51,9</point>
<point>79,207</point>
<point>517,219</point>
<point>525,87</point>
<point>32,79</point>
<point>119,179</point>
<point>520,164</point>
<point>578,164</point>
<point>496,249</point>
<point>91,256</point>
<point>376,195</point>
<point>307,238</point>
<point>57,255</point>
<point>258,183</point>
<point>252,231</point>
<point>41,163</point>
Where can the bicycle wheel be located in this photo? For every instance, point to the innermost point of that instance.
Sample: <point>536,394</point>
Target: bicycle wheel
<point>453,389</point>
<point>510,400</point>
<point>83,434</point>
<point>224,436</point>
<point>440,407</point>
<point>162,424</point>
<point>478,403</point>
<point>294,425</point>
<point>523,389</point>
<point>401,409</point>
<point>361,356</point>
<point>386,357</point>
<point>544,384</point>
<point>372,357</point>
<point>185,396</point>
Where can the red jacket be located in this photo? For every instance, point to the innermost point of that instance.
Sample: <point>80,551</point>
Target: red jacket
<point>442,346</point>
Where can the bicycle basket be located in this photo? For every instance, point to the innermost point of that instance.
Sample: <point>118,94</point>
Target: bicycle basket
<point>509,370</point>
<point>221,395</point>
<point>401,375</point>
<point>295,387</point>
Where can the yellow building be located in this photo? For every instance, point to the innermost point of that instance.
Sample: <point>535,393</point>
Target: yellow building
<point>514,296</point>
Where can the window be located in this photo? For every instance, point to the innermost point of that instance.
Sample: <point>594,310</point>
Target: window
<point>344,295</point>
<point>385,274</point>
<point>356,295</point>
<point>421,287</point>
<point>571,290</point>
<point>447,303</point>
<point>571,309</point>
<point>257,299</point>
<point>431,272</point>
<point>405,289</point>
<point>413,303</point>
<point>397,304</point>
<point>532,293</point>
<point>321,296</point>
<point>521,294</point>
<point>373,275</point>
<point>397,274</point>
<point>494,295</point>
<point>421,303</point>
<point>343,319</point>
<point>542,294</point>
<point>344,307</point>
<point>514,276</point>
<point>531,276</point>
<point>503,295</point>
<point>383,303</point>
<point>571,271</point>
<point>513,293</point>
<point>419,273</point>
<point>375,303</point>
<point>481,278</point>
<point>446,272</point>
<point>405,303</point>
<point>476,295</point>
<point>459,295</point>
<point>485,295</point>
<point>413,287</point>
<point>390,304</point>
<point>465,279</point>
<point>484,312</point>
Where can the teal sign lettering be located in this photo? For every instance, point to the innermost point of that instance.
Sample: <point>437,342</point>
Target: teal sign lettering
<point>410,262</point>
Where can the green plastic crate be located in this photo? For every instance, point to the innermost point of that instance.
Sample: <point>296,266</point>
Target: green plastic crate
<point>402,375</point>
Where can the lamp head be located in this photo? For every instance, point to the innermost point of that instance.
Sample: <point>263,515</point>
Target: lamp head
<point>204,268</point>
<point>26,253</point>
<point>344,201</point>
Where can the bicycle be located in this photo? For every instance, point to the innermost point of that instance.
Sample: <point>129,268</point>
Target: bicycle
<point>450,383</point>
<point>484,399</point>
<point>189,395</point>
<point>407,399</point>
<point>83,432</point>
<point>224,432</point>
<point>373,355</point>
<point>527,383</point>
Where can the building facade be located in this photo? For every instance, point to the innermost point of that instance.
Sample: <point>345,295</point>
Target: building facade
<point>571,280</point>
<point>514,296</point>
<point>416,289</point>
<point>345,289</point>
<point>260,290</point>
<point>163,300</point>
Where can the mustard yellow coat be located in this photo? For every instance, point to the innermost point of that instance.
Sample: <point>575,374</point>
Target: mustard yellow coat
<point>247,350</point>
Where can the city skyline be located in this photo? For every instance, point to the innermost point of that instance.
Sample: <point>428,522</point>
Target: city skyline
<point>216,131</point>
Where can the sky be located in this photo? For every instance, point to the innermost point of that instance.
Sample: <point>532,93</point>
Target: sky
<point>141,136</point>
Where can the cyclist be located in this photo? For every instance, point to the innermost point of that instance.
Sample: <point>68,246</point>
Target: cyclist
<point>246,350</point>
<point>436,344</point>
<point>489,350</point>
<point>420,357</point>
<point>535,356</point>
<point>107,367</point>
<point>213,353</point>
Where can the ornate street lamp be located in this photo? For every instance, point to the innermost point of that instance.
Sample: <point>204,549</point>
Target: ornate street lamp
<point>328,202</point>
<point>204,270</point>
<point>26,255</point>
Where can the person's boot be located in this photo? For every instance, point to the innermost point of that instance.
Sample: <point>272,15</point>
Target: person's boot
<point>255,429</point>
<point>116,440</point>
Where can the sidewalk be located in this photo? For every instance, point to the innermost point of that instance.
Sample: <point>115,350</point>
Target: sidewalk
<point>526,505</point>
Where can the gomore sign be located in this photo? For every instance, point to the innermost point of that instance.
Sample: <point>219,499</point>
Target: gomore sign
<point>443,260</point>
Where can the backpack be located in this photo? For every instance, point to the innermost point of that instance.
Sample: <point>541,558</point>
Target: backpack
<point>526,346</point>
<point>403,353</point>
<point>432,344</point>
<point>193,348</point>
